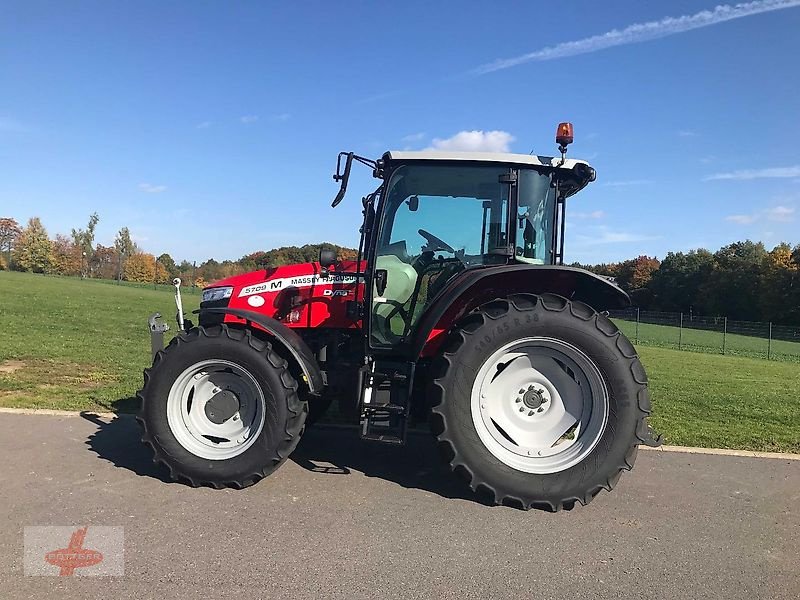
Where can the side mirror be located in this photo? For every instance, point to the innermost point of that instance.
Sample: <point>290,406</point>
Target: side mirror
<point>413,203</point>
<point>342,175</point>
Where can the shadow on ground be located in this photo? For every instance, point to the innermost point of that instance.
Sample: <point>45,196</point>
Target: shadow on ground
<point>327,450</point>
<point>119,442</point>
<point>336,451</point>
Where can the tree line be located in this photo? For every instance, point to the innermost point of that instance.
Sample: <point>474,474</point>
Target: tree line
<point>743,281</point>
<point>31,249</point>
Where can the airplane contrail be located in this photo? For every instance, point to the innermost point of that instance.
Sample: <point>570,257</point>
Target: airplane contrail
<point>641,32</point>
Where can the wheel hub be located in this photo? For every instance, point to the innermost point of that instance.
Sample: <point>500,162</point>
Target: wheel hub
<point>534,400</point>
<point>539,405</point>
<point>222,406</point>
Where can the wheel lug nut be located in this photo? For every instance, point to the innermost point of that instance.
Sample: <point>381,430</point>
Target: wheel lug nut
<point>530,413</point>
<point>521,409</point>
<point>522,391</point>
<point>540,409</point>
<point>518,400</point>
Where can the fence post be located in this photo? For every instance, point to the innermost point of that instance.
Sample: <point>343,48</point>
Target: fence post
<point>769,343</point>
<point>680,334</point>
<point>724,333</point>
<point>637,325</point>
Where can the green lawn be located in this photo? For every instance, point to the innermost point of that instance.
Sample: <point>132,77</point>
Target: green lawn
<point>82,344</point>
<point>72,344</point>
<point>702,340</point>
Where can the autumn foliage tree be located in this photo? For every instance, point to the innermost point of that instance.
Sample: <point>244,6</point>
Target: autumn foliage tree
<point>9,231</point>
<point>141,268</point>
<point>33,249</point>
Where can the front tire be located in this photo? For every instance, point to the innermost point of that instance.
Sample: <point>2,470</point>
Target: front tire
<point>220,408</point>
<point>541,402</point>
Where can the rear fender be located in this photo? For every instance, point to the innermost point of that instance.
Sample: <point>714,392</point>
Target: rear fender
<point>476,287</point>
<point>289,339</point>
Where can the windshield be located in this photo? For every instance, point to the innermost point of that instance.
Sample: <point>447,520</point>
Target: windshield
<point>436,221</point>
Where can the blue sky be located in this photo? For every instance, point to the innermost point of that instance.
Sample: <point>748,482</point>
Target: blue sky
<point>211,129</point>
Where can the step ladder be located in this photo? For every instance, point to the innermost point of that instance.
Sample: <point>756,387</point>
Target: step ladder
<point>385,400</point>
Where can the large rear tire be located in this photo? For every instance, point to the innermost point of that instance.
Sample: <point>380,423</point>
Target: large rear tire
<point>541,402</point>
<point>220,408</point>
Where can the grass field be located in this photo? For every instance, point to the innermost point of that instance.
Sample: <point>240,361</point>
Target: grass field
<point>82,345</point>
<point>702,340</point>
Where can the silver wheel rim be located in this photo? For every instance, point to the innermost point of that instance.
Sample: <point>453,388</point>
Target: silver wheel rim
<point>539,405</point>
<point>216,409</point>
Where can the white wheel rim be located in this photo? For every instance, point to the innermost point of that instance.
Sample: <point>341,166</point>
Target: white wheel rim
<point>216,409</point>
<point>539,405</point>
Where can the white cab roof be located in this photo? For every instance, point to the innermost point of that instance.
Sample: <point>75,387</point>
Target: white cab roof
<point>500,157</point>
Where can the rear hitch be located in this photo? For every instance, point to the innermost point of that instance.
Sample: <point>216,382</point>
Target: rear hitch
<point>157,330</point>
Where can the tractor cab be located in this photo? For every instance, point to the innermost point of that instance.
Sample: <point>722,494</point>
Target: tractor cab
<point>440,214</point>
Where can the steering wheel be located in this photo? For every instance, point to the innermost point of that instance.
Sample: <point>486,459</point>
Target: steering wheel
<point>434,243</point>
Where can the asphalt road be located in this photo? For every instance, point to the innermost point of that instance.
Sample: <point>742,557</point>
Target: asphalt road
<point>349,520</point>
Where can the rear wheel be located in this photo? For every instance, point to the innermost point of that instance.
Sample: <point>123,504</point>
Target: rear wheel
<point>541,402</point>
<point>219,407</point>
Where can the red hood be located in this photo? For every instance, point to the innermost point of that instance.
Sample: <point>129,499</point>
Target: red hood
<point>296,270</point>
<point>298,295</point>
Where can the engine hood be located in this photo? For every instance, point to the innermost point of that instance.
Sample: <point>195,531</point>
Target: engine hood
<point>290,272</point>
<point>298,295</point>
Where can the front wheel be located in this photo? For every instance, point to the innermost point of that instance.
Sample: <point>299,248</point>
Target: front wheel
<point>220,408</point>
<point>541,402</point>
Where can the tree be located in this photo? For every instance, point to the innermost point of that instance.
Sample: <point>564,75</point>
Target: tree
<point>678,282</point>
<point>9,231</point>
<point>33,250</point>
<point>161,274</point>
<point>65,257</point>
<point>125,248</point>
<point>736,283</point>
<point>169,264</point>
<point>635,274</point>
<point>140,267</point>
<point>105,262</point>
<point>84,242</point>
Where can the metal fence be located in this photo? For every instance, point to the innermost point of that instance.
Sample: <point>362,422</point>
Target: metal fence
<point>718,335</point>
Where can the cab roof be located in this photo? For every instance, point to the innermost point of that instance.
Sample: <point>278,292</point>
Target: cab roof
<point>498,157</point>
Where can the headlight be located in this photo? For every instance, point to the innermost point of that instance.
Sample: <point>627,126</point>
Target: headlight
<point>220,293</point>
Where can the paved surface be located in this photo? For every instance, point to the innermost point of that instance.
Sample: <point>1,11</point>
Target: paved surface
<point>350,520</point>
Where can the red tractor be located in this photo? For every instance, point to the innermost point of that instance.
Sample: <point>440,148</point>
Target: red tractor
<point>458,311</point>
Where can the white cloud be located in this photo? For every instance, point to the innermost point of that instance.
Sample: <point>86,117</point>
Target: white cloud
<point>642,32</point>
<point>204,125</point>
<point>247,119</point>
<point>626,183</point>
<point>475,141</point>
<point>768,173</point>
<point>413,137</point>
<point>601,234</point>
<point>783,214</point>
<point>281,117</point>
<point>742,219</point>
<point>595,214</point>
<point>686,133</point>
<point>152,189</point>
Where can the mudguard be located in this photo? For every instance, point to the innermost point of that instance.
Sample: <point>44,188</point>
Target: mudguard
<point>475,287</point>
<point>288,338</point>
